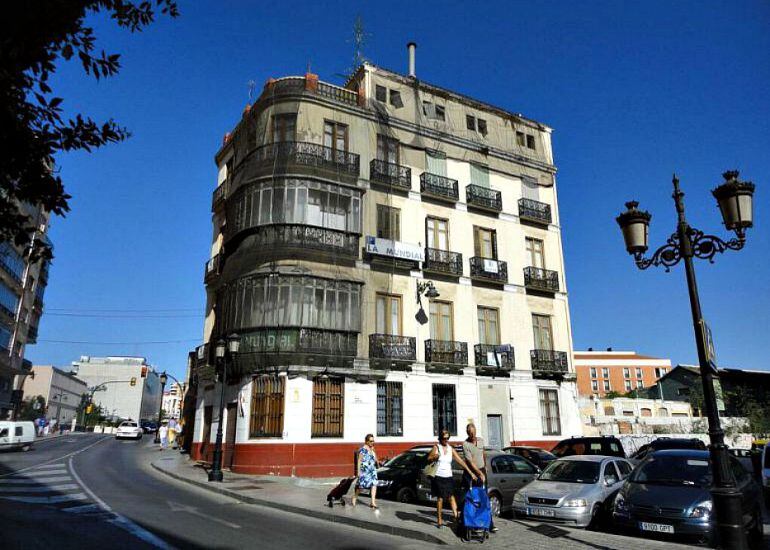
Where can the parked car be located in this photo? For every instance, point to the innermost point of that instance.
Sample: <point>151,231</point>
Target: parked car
<point>506,474</point>
<point>17,435</point>
<point>669,494</point>
<point>603,446</point>
<point>537,456</point>
<point>148,426</point>
<point>576,490</point>
<point>663,443</point>
<point>766,473</point>
<point>398,477</point>
<point>129,430</point>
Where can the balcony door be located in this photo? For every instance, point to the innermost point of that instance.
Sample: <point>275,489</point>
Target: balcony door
<point>535,252</point>
<point>441,323</point>
<point>335,141</point>
<point>541,324</point>
<point>435,162</point>
<point>489,326</point>
<point>387,149</point>
<point>284,127</point>
<point>388,313</point>
<point>437,233</point>
<point>485,243</point>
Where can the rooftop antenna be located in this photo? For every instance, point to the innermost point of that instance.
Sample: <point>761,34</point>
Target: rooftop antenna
<point>360,37</point>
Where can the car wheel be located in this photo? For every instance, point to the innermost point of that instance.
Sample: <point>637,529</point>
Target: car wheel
<point>495,505</point>
<point>596,515</point>
<point>25,448</point>
<point>406,495</point>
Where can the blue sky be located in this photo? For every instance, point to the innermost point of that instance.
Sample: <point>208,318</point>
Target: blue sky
<point>634,91</point>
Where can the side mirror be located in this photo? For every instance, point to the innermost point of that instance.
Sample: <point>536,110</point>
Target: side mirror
<point>610,481</point>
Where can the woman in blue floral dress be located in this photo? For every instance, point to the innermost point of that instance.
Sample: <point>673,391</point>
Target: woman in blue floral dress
<point>366,470</point>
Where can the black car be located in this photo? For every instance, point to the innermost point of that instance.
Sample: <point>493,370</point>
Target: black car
<point>603,446</point>
<point>148,426</point>
<point>669,495</point>
<point>398,476</point>
<point>537,456</point>
<point>663,443</point>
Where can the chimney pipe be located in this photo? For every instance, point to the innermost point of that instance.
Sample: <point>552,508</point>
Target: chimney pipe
<point>411,47</point>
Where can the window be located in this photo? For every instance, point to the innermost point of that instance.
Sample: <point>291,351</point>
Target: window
<point>437,233</point>
<point>479,175</point>
<point>593,372</point>
<point>639,372</point>
<point>381,93</point>
<point>284,127</point>
<point>441,325</point>
<point>18,431</point>
<point>626,373</point>
<point>485,242</point>
<point>8,299</point>
<point>605,372</point>
<point>390,408</point>
<point>628,385</point>
<point>482,126</point>
<point>549,412</point>
<point>388,222</point>
<point>531,142</point>
<point>489,326</point>
<point>595,385</point>
<point>444,409</point>
<point>328,407</point>
<point>659,372</point>
<point>267,395</point>
<point>11,260</point>
<point>335,137</point>
<point>435,162</point>
<point>541,325</point>
<point>521,139</point>
<point>683,391</point>
<point>640,383</point>
<point>606,385</point>
<point>433,111</point>
<point>388,314</point>
<point>395,99</point>
<point>5,338</point>
<point>535,252</point>
<point>387,149</point>
<point>470,122</point>
<point>611,476</point>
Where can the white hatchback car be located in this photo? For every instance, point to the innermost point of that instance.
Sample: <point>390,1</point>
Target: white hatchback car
<point>128,430</point>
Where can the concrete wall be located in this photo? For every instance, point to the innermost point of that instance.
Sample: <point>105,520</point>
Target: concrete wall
<point>62,391</point>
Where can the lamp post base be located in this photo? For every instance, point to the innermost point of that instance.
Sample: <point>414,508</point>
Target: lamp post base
<point>216,475</point>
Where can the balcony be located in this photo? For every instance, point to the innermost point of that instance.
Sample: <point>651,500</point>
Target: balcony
<point>547,363</point>
<point>6,266</point>
<point>341,95</point>
<point>219,195</point>
<point>7,313</point>
<point>446,352</point>
<point>543,280</point>
<point>489,270</point>
<point>212,269</point>
<point>483,198</point>
<point>293,85</point>
<point>439,187</point>
<point>299,157</point>
<point>32,335</point>
<point>493,359</point>
<point>534,211</point>
<point>293,240</point>
<point>393,176</point>
<point>391,351</point>
<point>443,262</point>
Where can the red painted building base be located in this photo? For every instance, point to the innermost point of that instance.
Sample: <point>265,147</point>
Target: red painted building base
<point>308,459</point>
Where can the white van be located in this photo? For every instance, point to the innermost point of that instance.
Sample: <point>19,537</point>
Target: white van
<point>16,435</point>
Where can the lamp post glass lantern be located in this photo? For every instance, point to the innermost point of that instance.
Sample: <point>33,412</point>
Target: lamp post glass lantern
<point>225,351</point>
<point>735,201</point>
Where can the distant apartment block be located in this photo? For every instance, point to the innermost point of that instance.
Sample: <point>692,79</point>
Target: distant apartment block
<point>602,372</point>
<point>172,401</point>
<point>62,391</point>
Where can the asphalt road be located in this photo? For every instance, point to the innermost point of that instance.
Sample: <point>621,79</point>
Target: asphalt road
<point>91,491</point>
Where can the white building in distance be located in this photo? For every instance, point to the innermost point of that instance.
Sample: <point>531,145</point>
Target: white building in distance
<point>172,401</point>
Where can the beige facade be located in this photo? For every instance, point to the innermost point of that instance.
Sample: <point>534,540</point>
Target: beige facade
<point>61,390</point>
<point>397,223</point>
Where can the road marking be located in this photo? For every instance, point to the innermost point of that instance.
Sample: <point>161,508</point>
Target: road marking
<point>68,455</point>
<point>49,500</point>
<point>118,520</point>
<point>32,481</point>
<point>48,466</point>
<point>177,507</point>
<point>85,509</point>
<point>42,473</point>
<point>39,489</point>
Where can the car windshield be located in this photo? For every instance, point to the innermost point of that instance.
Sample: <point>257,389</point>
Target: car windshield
<point>128,425</point>
<point>571,471</point>
<point>674,470</point>
<point>407,460</point>
<point>544,455</point>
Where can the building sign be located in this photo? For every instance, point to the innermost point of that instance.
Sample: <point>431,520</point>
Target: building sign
<point>708,345</point>
<point>490,266</point>
<point>394,249</point>
<point>272,340</point>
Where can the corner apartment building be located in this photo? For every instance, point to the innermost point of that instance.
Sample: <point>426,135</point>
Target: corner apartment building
<point>118,397</point>
<point>22,286</point>
<point>62,391</point>
<point>601,372</point>
<point>335,206</point>
<point>172,401</point>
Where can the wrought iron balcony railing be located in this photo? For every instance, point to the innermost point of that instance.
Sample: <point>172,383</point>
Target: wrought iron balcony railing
<point>484,198</point>
<point>280,239</point>
<point>284,155</point>
<point>447,352</point>
<point>392,347</point>
<point>212,269</point>
<point>219,195</point>
<point>489,269</point>
<point>439,187</point>
<point>32,334</point>
<point>393,175</point>
<point>299,340</point>
<point>534,211</point>
<point>547,363</point>
<point>541,279</point>
<point>443,261</point>
<point>494,355</point>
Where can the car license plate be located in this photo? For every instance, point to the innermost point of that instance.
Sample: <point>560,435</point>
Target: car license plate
<point>656,527</point>
<point>543,512</point>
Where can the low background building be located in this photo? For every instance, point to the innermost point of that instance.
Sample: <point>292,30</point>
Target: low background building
<point>172,401</point>
<point>601,372</point>
<point>120,399</point>
<point>62,391</point>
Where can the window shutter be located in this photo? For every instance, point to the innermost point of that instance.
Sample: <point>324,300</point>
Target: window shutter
<point>476,242</point>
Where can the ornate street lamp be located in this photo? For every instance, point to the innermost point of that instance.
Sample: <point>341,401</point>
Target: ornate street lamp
<point>224,352</point>
<point>163,379</point>
<point>735,203</point>
<point>429,290</point>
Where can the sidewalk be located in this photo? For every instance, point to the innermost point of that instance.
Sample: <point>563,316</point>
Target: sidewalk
<point>416,522</point>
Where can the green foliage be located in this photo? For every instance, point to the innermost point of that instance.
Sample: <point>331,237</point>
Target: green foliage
<point>33,408</point>
<point>34,38</point>
<point>613,394</point>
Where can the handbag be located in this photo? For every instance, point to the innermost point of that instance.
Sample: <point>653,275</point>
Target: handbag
<point>431,468</point>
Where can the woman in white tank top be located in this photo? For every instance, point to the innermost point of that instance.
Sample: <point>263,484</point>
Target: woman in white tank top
<point>442,484</point>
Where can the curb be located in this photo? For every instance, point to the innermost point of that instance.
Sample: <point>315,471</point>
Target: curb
<point>309,512</point>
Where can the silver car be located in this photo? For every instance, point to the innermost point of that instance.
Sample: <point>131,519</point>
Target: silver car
<point>576,490</point>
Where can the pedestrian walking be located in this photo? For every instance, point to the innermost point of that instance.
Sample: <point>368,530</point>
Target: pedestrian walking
<point>442,484</point>
<point>163,432</point>
<point>366,471</point>
<point>473,450</point>
<point>172,426</point>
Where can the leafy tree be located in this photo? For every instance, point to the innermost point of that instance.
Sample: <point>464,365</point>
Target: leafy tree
<point>34,37</point>
<point>32,409</point>
<point>613,394</point>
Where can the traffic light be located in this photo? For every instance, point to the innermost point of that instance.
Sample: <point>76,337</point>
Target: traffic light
<point>90,408</point>
<point>133,381</point>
